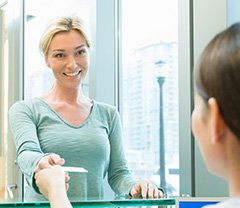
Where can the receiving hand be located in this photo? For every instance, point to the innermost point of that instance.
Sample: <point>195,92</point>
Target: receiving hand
<point>52,180</point>
<point>48,161</point>
<point>145,189</point>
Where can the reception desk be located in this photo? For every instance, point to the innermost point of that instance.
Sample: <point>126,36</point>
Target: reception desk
<point>100,203</point>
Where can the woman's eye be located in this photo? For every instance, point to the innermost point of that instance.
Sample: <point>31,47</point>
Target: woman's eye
<point>81,52</point>
<point>59,55</point>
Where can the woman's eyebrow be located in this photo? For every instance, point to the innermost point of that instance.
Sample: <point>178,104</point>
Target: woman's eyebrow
<point>61,50</point>
<point>81,46</point>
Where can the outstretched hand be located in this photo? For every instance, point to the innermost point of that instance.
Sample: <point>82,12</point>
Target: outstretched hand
<point>48,161</point>
<point>52,183</point>
<point>51,180</point>
<point>145,189</point>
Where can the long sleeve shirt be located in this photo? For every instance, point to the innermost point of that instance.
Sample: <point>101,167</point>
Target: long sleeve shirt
<point>95,145</point>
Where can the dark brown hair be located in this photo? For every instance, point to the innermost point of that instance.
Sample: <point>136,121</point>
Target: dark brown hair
<point>217,74</point>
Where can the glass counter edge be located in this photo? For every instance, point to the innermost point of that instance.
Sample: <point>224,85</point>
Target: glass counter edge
<point>96,202</point>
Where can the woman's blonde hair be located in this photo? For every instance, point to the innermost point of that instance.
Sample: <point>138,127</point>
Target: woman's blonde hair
<point>62,24</point>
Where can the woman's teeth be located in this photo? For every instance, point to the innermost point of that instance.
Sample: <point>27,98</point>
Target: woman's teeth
<point>72,74</point>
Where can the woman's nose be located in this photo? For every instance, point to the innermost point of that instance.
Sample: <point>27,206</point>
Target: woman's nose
<point>71,62</point>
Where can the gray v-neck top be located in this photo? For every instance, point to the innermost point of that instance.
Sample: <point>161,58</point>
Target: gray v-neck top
<point>95,145</point>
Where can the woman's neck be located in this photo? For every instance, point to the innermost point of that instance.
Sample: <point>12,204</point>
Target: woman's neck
<point>233,165</point>
<point>71,96</point>
<point>234,184</point>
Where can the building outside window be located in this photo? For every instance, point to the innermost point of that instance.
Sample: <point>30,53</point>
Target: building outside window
<point>149,51</point>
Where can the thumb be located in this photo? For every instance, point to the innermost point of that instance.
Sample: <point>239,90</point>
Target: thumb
<point>134,192</point>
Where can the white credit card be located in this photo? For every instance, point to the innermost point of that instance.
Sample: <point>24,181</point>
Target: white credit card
<point>74,169</point>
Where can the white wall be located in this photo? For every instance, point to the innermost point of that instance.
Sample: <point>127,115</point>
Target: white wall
<point>209,18</point>
<point>233,13</point>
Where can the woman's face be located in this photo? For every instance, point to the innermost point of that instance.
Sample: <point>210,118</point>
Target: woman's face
<point>202,130</point>
<point>68,58</point>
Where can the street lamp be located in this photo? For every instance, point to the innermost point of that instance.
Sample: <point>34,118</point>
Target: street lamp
<point>161,80</point>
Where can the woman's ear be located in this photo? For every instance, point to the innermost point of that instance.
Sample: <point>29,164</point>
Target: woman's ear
<point>217,125</point>
<point>47,63</point>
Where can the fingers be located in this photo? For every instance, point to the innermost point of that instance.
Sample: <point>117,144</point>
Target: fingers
<point>55,159</point>
<point>48,161</point>
<point>43,163</point>
<point>67,178</point>
<point>157,193</point>
<point>135,193</point>
<point>67,186</point>
<point>145,189</point>
<point>160,194</point>
<point>151,191</point>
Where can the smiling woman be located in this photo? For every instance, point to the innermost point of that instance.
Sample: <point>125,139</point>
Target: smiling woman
<point>47,127</point>
<point>68,58</point>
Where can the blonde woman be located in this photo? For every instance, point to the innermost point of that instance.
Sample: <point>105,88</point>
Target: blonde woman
<point>77,129</point>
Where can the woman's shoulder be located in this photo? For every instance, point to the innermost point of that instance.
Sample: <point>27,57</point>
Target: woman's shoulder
<point>229,203</point>
<point>25,104</point>
<point>104,107</point>
<point>28,102</point>
<point>104,110</point>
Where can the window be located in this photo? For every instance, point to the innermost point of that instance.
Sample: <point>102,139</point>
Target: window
<point>149,89</point>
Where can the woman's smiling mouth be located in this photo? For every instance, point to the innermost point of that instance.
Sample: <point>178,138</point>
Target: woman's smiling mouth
<point>72,74</point>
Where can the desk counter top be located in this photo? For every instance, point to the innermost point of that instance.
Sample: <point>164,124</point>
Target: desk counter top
<point>97,203</point>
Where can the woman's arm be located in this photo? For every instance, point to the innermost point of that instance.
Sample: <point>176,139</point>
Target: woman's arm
<point>24,132</point>
<point>29,155</point>
<point>119,176</point>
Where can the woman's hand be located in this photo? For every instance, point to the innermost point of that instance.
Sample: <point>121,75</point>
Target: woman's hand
<point>145,189</point>
<point>52,183</point>
<point>51,180</point>
<point>48,161</point>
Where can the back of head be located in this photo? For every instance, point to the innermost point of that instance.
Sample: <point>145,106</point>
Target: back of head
<point>62,24</point>
<point>217,74</point>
